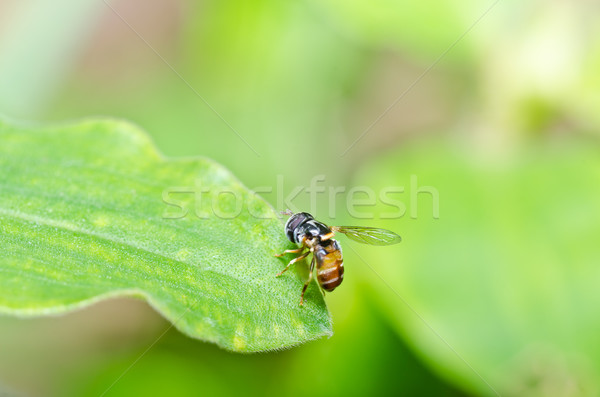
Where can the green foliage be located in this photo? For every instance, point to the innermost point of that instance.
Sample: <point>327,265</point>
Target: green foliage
<point>391,23</point>
<point>364,340</point>
<point>508,274</point>
<point>83,219</point>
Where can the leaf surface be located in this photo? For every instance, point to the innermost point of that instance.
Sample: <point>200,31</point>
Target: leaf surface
<point>92,210</point>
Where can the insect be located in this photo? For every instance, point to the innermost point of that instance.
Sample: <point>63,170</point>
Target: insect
<point>317,238</point>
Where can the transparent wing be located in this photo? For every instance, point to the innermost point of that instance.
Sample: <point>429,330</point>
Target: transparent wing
<point>368,235</point>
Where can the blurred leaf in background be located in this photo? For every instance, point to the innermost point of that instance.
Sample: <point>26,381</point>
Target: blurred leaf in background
<point>366,357</point>
<point>508,274</point>
<point>38,50</point>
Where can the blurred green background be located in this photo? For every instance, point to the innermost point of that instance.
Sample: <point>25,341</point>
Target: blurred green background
<point>498,111</point>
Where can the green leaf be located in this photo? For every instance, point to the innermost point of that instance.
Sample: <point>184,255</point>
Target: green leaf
<point>414,26</point>
<point>508,275</point>
<point>83,218</point>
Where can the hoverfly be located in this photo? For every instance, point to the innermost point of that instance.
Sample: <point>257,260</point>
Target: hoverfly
<point>317,238</point>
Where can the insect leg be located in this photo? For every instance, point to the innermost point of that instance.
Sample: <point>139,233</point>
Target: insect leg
<point>296,259</point>
<point>310,276</point>
<point>296,251</point>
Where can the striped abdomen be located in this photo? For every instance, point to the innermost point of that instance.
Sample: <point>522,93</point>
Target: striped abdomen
<point>330,266</point>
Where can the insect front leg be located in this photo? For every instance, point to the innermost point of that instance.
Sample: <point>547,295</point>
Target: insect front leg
<point>296,259</point>
<point>310,276</point>
<point>296,251</point>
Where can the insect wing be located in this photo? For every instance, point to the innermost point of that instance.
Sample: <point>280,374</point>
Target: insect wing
<point>369,235</point>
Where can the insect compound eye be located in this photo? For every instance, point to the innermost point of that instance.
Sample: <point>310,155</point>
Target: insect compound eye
<point>294,222</point>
